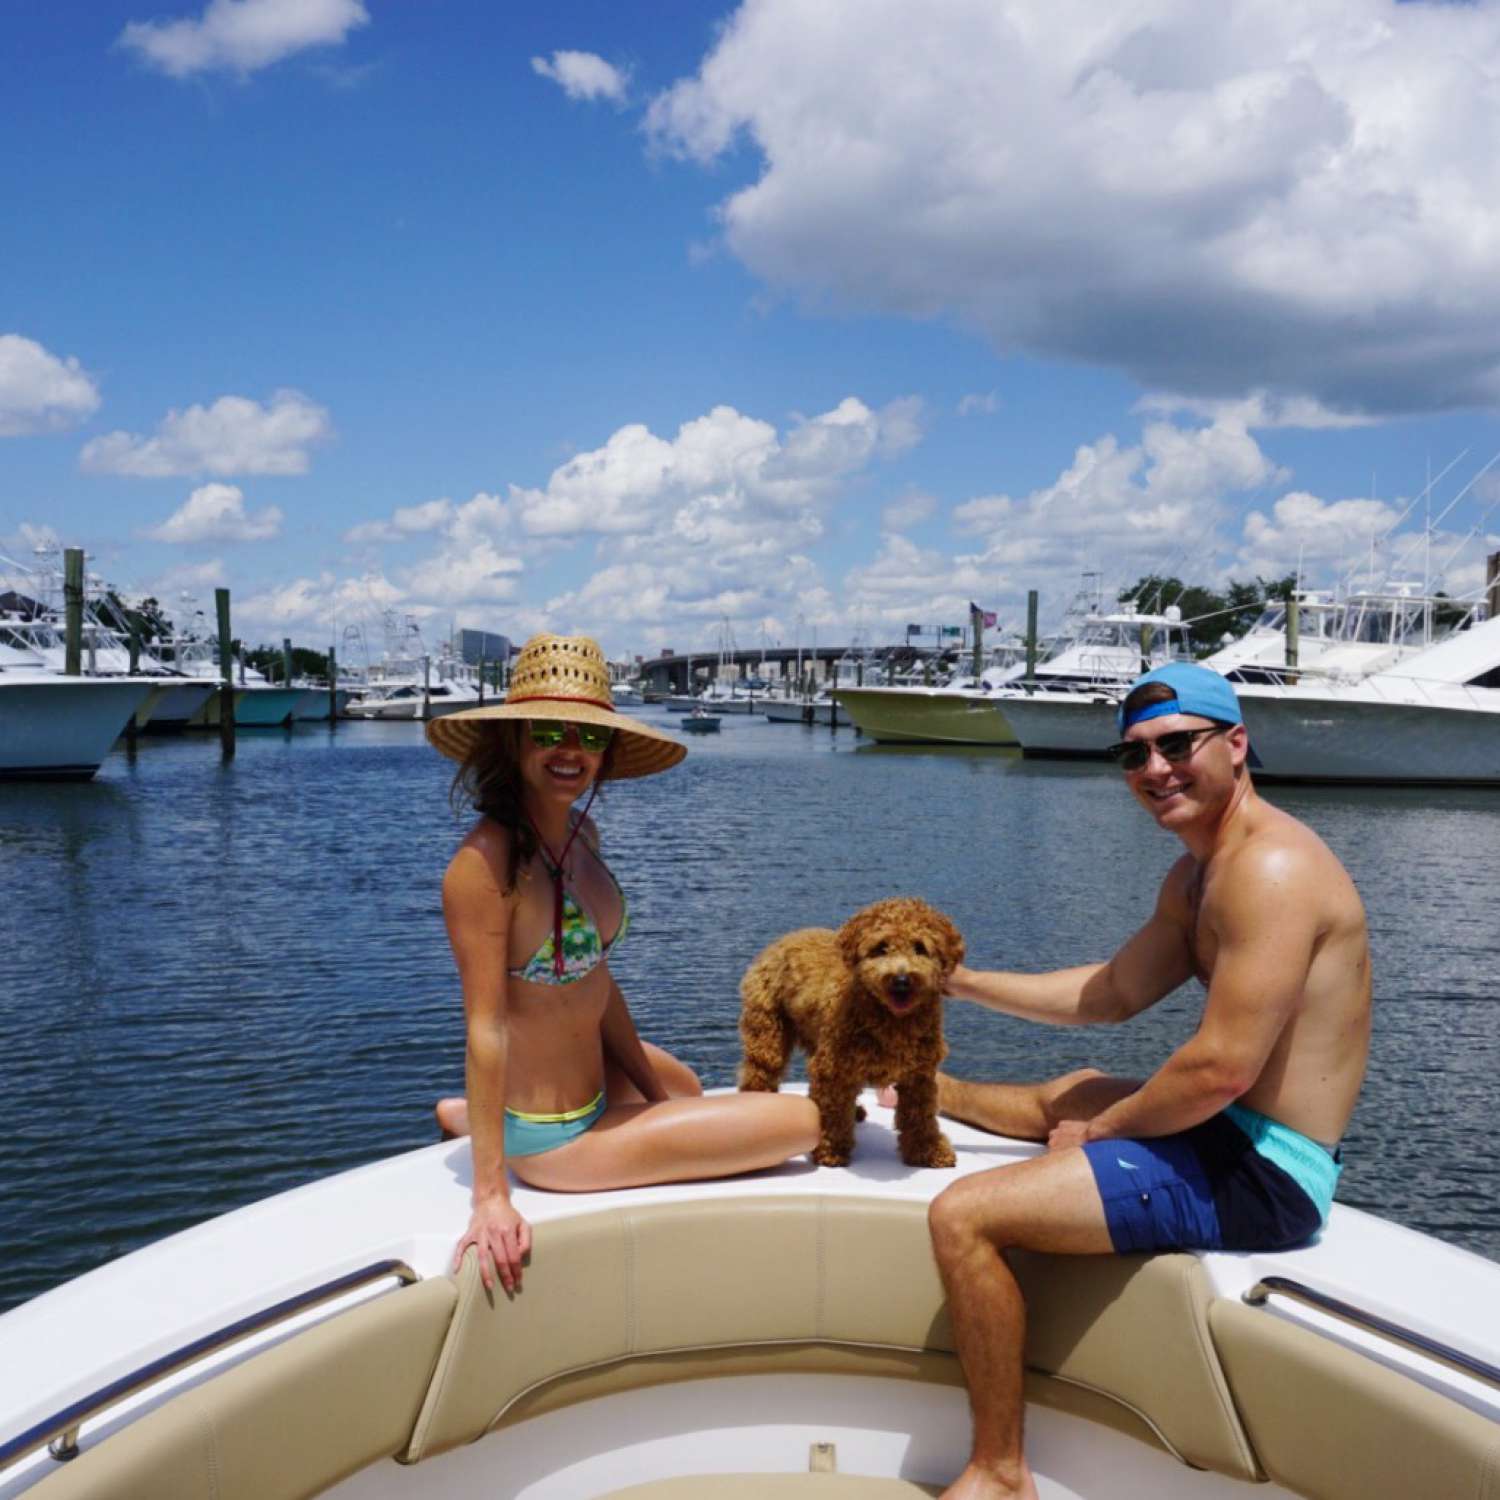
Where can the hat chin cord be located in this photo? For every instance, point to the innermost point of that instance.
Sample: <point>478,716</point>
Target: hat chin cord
<point>554,864</point>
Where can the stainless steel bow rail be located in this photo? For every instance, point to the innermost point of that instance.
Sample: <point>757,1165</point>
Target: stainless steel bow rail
<point>60,1431</point>
<point>1456,1359</point>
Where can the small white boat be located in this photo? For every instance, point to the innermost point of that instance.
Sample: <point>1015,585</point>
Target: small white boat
<point>699,721</point>
<point>780,1334</point>
<point>822,708</point>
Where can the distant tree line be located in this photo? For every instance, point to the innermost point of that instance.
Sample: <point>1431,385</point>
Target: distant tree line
<point>305,662</point>
<point>1230,611</point>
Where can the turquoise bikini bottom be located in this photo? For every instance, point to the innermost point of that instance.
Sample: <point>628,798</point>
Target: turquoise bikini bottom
<point>530,1135</point>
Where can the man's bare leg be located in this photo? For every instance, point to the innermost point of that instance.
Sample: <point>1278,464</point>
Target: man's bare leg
<point>1026,1111</point>
<point>1048,1203</point>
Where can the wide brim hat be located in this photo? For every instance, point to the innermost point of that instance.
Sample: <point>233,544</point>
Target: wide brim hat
<point>563,677</point>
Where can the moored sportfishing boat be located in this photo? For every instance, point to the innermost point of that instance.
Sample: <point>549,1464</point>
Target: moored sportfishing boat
<point>55,727</point>
<point>1432,718</point>
<point>729,1338</point>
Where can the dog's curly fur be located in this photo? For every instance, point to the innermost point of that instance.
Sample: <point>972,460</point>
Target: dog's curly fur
<point>866,1004</point>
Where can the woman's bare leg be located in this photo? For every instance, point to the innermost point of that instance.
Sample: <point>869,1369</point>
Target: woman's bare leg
<point>680,1140</point>
<point>680,1080</point>
<point>682,1083</point>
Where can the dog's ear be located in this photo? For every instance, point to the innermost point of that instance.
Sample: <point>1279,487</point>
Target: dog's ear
<point>854,934</point>
<point>950,941</point>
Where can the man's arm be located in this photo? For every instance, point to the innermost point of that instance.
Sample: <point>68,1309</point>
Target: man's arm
<point>1151,965</point>
<point>1266,925</point>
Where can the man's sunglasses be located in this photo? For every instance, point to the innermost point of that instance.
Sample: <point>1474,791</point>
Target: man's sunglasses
<point>548,734</point>
<point>1176,747</point>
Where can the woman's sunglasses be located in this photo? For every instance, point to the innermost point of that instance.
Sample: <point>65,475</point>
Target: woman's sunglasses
<point>1176,747</point>
<point>548,734</point>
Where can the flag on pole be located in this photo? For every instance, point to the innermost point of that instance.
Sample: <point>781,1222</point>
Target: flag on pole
<point>987,617</point>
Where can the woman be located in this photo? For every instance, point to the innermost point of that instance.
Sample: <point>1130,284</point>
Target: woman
<point>559,1087</point>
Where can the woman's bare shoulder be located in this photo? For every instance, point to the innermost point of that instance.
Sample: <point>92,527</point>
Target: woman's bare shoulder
<point>481,862</point>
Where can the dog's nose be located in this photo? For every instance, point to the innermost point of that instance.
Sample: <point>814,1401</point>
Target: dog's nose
<point>901,981</point>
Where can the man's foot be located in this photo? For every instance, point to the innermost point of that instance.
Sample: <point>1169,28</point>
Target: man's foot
<point>983,1484</point>
<point>452,1117</point>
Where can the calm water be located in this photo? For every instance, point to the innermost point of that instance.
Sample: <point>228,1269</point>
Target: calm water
<point>220,982</point>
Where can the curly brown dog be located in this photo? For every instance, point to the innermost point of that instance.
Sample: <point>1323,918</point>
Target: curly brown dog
<point>866,1004</point>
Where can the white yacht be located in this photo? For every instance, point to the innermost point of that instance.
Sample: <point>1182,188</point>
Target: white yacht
<point>1070,709</point>
<point>1365,631</point>
<point>783,1334</point>
<point>1431,717</point>
<point>55,727</point>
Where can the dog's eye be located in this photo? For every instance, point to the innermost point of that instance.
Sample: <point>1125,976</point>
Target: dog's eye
<point>878,951</point>
<point>921,947</point>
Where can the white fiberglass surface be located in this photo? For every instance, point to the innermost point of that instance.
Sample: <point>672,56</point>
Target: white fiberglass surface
<point>768,1424</point>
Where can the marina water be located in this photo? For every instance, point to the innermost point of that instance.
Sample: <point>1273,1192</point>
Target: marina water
<point>221,980</point>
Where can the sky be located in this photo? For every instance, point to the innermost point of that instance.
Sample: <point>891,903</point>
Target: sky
<point>796,319</point>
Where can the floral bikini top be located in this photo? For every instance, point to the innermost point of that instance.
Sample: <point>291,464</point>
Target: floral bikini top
<point>583,949</point>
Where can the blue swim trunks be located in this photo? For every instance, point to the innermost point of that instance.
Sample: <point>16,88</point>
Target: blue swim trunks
<point>1240,1181</point>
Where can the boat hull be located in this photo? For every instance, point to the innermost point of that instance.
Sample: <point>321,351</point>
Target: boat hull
<point>804,711</point>
<point>923,716</point>
<point>1069,726</point>
<point>1298,735</point>
<point>61,728</point>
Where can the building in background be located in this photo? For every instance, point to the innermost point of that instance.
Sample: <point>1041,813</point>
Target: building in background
<point>485,645</point>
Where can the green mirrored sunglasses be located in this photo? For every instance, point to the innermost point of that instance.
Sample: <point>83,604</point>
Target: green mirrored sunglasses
<point>548,734</point>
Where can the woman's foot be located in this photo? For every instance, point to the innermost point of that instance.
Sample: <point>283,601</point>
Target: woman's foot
<point>452,1117</point>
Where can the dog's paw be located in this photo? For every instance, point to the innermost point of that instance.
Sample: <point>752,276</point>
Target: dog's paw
<point>938,1153</point>
<point>826,1156</point>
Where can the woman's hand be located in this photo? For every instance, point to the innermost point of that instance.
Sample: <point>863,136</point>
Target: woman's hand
<point>502,1238</point>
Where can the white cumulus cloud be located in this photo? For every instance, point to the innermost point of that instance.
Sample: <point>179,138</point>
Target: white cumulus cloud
<point>241,36</point>
<point>724,462</point>
<point>216,513</point>
<point>584,75</point>
<point>40,392</point>
<point>405,521</point>
<point>233,436</point>
<point>1298,197</point>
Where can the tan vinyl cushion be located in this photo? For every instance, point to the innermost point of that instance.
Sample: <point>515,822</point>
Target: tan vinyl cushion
<point>285,1424</point>
<point>1331,1424</point>
<point>688,1290</point>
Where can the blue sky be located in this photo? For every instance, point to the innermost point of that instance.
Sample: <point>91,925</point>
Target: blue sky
<point>811,315</point>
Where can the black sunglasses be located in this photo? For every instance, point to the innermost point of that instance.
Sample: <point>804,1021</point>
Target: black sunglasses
<point>1176,747</point>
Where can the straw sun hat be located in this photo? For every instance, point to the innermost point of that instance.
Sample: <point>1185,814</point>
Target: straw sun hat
<point>563,677</point>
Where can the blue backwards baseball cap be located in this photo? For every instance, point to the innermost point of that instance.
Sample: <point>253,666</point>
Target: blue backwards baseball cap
<point>1198,690</point>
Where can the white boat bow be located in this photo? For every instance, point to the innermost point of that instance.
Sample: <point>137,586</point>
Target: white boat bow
<point>738,1327</point>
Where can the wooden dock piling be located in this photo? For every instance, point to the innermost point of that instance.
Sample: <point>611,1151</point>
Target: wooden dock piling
<point>226,675</point>
<point>1031,605</point>
<point>333,688</point>
<point>73,611</point>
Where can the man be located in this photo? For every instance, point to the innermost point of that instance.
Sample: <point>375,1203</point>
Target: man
<point>1232,1142</point>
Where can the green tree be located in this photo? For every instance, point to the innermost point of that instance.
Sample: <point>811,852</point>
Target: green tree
<point>305,663</point>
